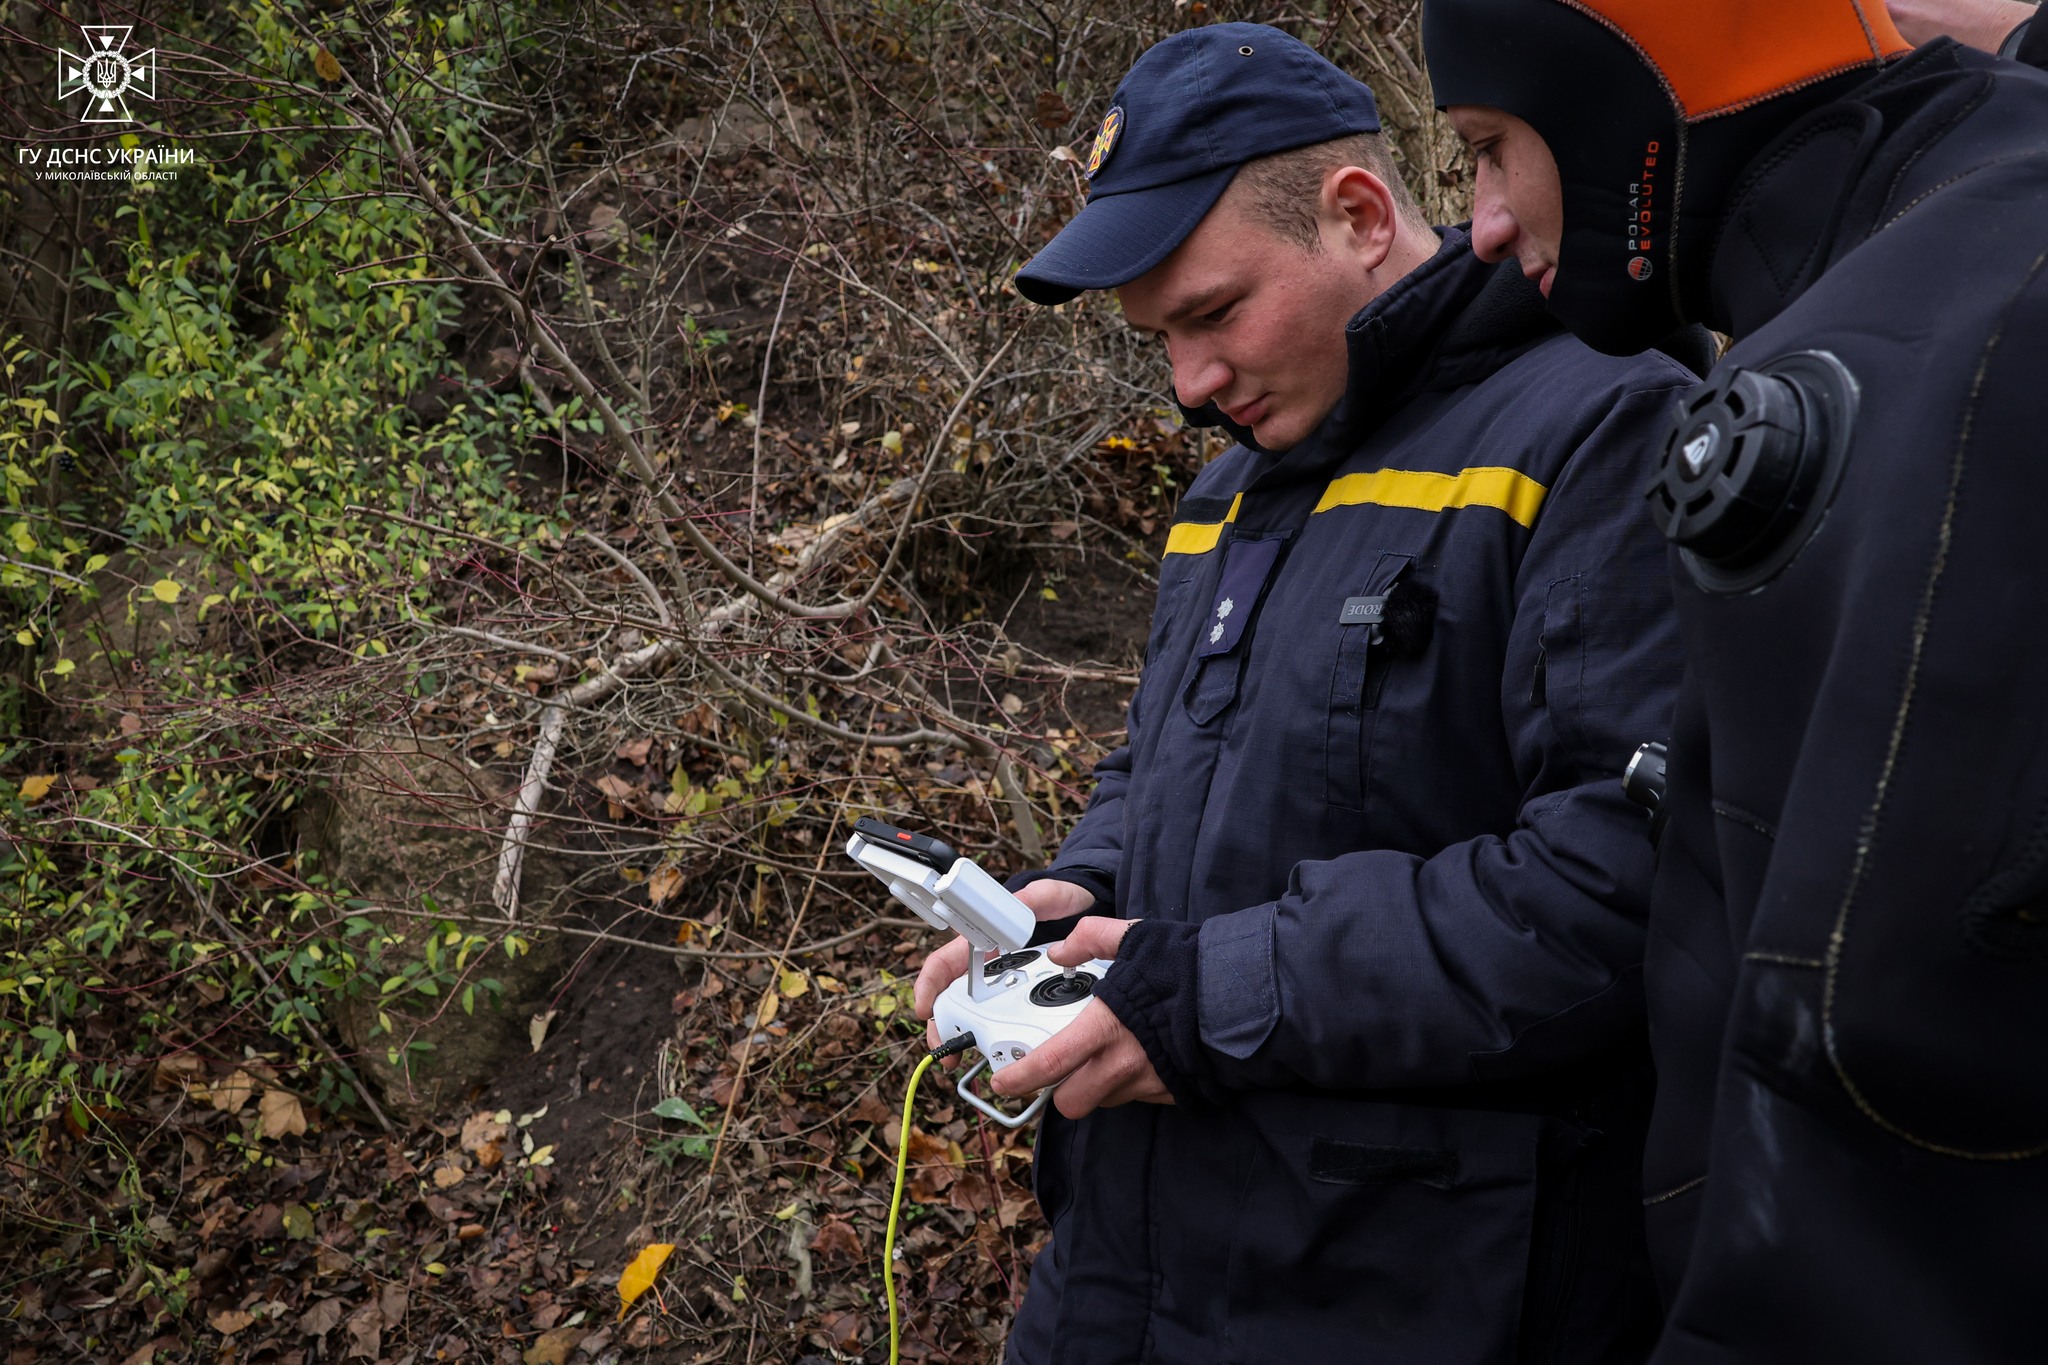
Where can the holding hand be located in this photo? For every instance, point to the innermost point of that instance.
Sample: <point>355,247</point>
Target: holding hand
<point>1095,1060</point>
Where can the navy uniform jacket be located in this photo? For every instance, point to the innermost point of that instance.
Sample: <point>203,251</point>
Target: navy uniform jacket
<point>1849,951</point>
<point>1392,895</point>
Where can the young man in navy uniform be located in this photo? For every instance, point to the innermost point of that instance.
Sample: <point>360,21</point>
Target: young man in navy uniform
<point>1847,964</point>
<point>1367,1079</point>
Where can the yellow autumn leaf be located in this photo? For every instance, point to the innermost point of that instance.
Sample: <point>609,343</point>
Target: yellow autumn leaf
<point>792,983</point>
<point>34,789</point>
<point>165,591</point>
<point>325,66</point>
<point>639,1277</point>
<point>765,1015</point>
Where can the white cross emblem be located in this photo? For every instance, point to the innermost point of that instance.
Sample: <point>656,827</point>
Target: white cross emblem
<point>107,73</point>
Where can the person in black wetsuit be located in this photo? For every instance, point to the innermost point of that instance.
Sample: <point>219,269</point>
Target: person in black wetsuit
<point>1848,962</point>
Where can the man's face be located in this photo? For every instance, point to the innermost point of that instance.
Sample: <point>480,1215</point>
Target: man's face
<point>1254,322</point>
<point>1518,204</point>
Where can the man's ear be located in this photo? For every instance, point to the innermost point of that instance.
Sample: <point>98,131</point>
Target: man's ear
<point>1361,206</point>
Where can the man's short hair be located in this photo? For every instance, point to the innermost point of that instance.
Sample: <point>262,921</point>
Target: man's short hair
<point>1283,190</point>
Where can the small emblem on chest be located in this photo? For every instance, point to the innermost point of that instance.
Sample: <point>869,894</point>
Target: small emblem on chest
<point>1246,566</point>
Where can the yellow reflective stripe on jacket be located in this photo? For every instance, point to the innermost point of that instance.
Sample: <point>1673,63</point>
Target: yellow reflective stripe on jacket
<point>1509,490</point>
<point>1200,537</point>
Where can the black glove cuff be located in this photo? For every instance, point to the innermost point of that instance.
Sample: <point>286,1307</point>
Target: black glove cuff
<point>1152,990</point>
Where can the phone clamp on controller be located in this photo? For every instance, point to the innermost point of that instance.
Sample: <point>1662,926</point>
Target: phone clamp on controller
<point>1013,999</point>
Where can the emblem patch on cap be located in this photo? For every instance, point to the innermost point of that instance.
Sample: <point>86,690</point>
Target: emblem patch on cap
<point>1105,140</point>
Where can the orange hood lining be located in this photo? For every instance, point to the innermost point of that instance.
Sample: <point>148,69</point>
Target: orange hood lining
<point>1717,56</point>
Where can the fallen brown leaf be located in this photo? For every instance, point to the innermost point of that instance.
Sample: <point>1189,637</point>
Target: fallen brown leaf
<point>618,792</point>
<point>928,1184</point>
<point>846,1328</point>
<point>836,1237</point>
<point>228,1321</point>
<point>447,1177</point>
<point>322,1318</point>
<point>232,1095</point>
<point>281,1114</point>
<point>264,1223</point>
<point>481,1128</point>
<point>178,1070</point>
<point>447,1210</point>
<point>366,1333</point>
<point>970,1194</point>
<point>926,1148</point>
<point>664,884</point>
<point>553,1348</point>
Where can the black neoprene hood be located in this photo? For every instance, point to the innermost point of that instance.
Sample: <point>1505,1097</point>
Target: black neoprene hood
<point>1614,134</point>
<point>1652,109</point>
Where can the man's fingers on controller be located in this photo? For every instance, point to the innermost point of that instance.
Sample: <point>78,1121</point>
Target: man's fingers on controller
<point>1070,951</point>
<point>1043,1067</point>
<point>940,970</point>
<point>1092,938</point>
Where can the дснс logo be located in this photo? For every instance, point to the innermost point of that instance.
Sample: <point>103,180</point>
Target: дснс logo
<point>107,73</point>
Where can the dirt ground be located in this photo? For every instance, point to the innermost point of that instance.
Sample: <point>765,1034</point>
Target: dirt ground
<point>250,1221</point>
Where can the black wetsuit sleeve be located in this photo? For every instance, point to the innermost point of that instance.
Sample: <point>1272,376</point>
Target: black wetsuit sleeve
<point>2033,48</point>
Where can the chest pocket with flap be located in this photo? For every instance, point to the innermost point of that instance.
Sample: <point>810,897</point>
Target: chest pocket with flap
<point>1355,679</point>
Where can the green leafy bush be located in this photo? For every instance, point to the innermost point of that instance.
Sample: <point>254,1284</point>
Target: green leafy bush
<point>261,412</point>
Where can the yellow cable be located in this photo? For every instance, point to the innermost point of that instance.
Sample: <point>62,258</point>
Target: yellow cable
<point>896,1206</point>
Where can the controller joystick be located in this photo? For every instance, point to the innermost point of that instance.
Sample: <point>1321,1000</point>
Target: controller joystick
<point>1067,988</point>
<point>1020,998</point>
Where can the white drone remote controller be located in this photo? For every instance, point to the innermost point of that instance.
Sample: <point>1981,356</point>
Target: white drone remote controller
<point>1014,998</point>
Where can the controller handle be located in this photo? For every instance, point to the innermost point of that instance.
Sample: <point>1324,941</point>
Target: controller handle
<point>1031,1111</point>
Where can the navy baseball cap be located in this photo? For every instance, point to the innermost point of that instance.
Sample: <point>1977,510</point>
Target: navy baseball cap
<point>1195,108</point>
